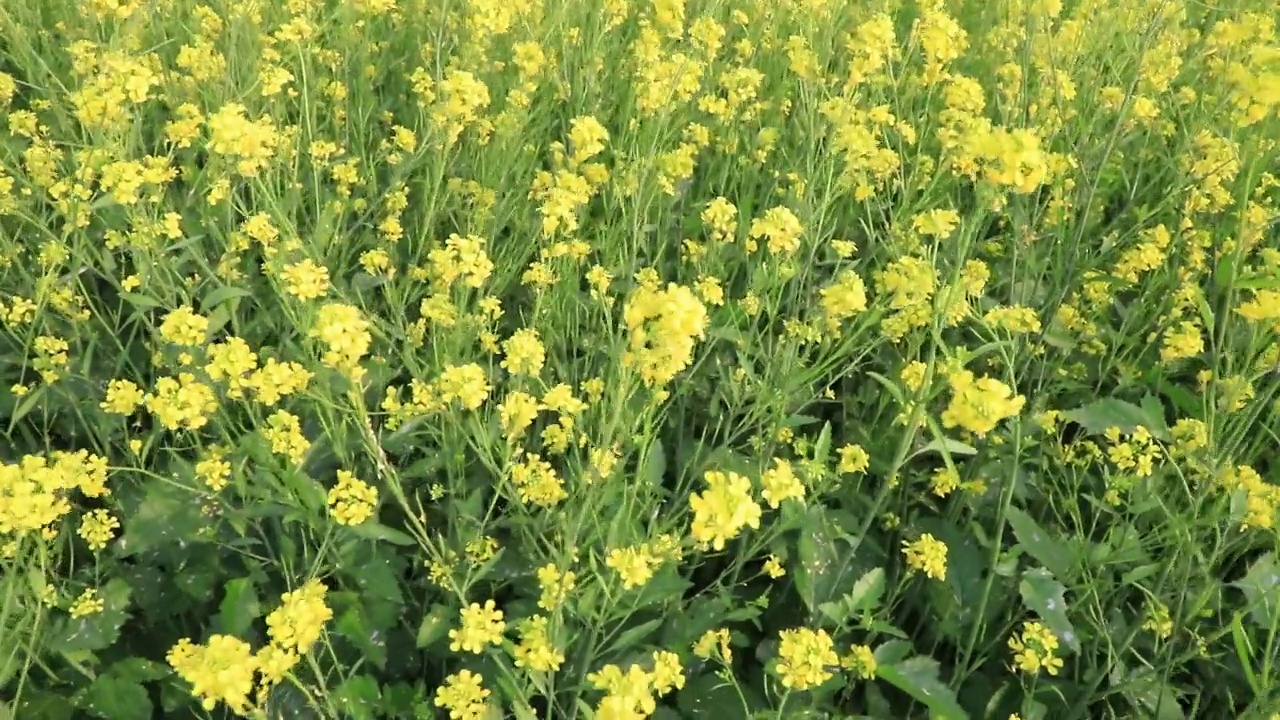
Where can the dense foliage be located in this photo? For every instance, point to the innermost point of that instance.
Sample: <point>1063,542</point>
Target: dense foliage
<point>639,358</point>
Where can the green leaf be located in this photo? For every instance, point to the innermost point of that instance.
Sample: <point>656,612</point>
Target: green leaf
<point>947,445</point>
<point>918,677</point>
<point>433,627</point>
<point>371,643</point>
<point>99,630</point>
<point>826,568</point>
<point>358,697</point>
<point>114,698</point>
<point>864,597</point>
<point>655,465</point>
<point>222,295</point>
<point>1261,588</point>
<point>371,530</point>
<point>635,636</point>
<point>141,302</point>
<point>1098,416</point>
<point>1046,597</point>
<point>1047,550</point>
<point>239,608</point>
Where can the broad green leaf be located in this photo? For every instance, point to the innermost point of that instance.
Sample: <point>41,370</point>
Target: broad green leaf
<point>434,626</point>
<point>918,677</point>
<point>371,643</point>
<point>222,295</point>
<point>635,636</point>
<point>371,530</point>
<point>864,597</point>
<point>1098,416</point>
<point>947,445</point>
<point>826,568</point>
<point>892,652</point>
<point>358,697</point>
<point>1046,597</point>
<point>99,630</point>
<point>139,301</point>
<point>1261,588</point>
<point>239,608</point>
<point>114,698</point>
<point>1038,543</point>
<point>655,465</point>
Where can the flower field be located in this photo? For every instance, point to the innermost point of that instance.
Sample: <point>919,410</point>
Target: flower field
<point>620,359</point>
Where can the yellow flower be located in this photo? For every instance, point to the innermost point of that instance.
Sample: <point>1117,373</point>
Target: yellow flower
<point>773,567</point>
<point>481,625</point>
<point>220,671</point>
<point>936,223</point>
<point>780,483</point>
<point>182,402</point>
<point>88,603</point>
<point>713,641</point>
<point>634,565</point>
<point>296,625</point>
<point>853,459</point>
<point>781,228</point>
<point>723,509</point>
<point>345,334</point>
<point>525,354</point>
<point>467,384</point>
<point>1033,649</point>
<point>97,527</point>
<point>535,650</point>
<point>184,327</point>
<point>667,673</point>
<point>305,280</point>
<point>861,661</point>
<point>123,397</point>
<point>928,555</point>
<point>352,501</point>
<point>805,658</point>
<point>555,586</point>
<point>978,404</point>
<point>463,695</point>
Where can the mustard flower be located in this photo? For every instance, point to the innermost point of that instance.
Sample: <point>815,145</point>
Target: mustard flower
<point>928,555</point>
<point>805,658</point>
<point>221,670</point>
<point>723,509</point>
<point>352,501</point>
<point>482,625</point>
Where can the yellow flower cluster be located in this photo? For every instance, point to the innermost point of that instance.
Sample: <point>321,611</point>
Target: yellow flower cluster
<point>1033,649</point>
<point>535,649</point>
<point>663,326</point>
<point>35,493</point>
<point>555,585</point>
<point>977,404</point>
<point>225,668</point>
<point>633,693</point>
<point>927,555</point>
<point>463,695</point>
<point>779,483</point>
<point>222,670</point>
<point>482,625</point>
<point>182,403</point>
<point>537,482</point>
<point>843,299</point>
<point>344,331</point>
<point>722,510</point>
<point>352,501</point>
<point>1262,499</point>
<point>805,658</point>
<point>97,528</point>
